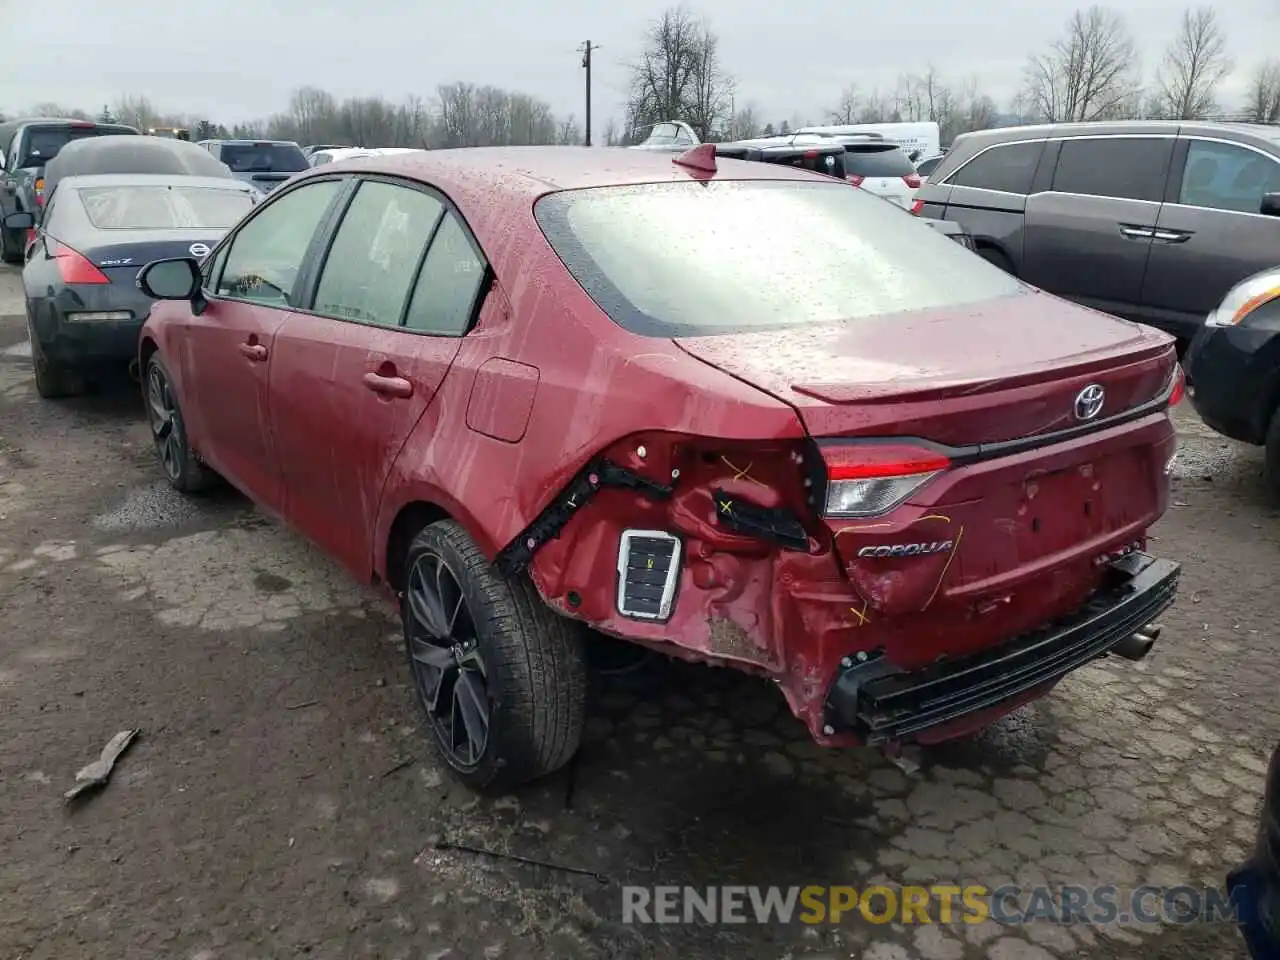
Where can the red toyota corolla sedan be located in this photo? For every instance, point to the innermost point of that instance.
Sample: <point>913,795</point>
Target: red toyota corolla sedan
<point>734,412</point>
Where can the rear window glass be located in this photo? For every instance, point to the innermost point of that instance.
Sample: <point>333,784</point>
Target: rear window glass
<point>263,157</point>
<point>873,160</point>
<point>686,259</point>
<point>157,207</point>
<point>41,144</point>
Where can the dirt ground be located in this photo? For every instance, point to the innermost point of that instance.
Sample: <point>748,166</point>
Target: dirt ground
<point>282,799</point>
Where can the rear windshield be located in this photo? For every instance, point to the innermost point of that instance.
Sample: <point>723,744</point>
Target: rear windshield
<point>41,144</point>
<point>263,157</point>
<point>685,259</point>
<point>877,160</point>
<point>158,207</point>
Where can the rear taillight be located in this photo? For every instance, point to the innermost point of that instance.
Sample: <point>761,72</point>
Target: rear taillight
<point>1178,388</point>
<point>40,191</point>
<point>75,267</point>
<point>912,180</point>
<point>916,207</point>
<point>855,179</point>
<point>870,479</point>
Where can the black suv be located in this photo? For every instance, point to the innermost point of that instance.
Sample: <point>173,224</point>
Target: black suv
<point>1152,220</point>
<point>26,145</point>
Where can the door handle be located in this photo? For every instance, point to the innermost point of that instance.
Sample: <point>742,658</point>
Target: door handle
<point>254,351</point>
<point>388,386</point>
<point>1137,233</point>
<point>1172,236</point>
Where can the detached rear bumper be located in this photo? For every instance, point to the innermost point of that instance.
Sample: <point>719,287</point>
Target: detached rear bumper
<point>879,703</point>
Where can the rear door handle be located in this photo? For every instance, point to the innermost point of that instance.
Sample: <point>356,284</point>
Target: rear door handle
<point>1137,233</point>
<point>254,351</point>
<point>1172,236</point>
<point>388,386</point>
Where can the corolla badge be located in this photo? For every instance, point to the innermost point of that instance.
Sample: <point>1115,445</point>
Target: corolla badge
<point>906,549</point>
<point>1089,401</point>
<point>198,249</point>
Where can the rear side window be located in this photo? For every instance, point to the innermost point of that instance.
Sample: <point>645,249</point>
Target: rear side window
<point>371,264</point>
<point>689,259</point>
<point>1009,168</point>
<point>926,167</point>
<point>1125,168</point>
<point>263,157</point>
<point>877,161</point>
<point>1223,176</point>
<point>164,207</point>
<point>453,274</point>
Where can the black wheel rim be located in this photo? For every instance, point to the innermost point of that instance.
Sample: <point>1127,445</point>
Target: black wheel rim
<point>163,415</point>
<point>448,670</point>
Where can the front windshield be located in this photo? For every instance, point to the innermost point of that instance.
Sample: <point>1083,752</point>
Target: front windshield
<point>686,259</point>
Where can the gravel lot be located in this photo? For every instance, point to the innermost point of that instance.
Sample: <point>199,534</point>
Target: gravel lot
<point>283,801</point>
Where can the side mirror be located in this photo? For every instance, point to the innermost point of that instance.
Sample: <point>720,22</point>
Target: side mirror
<point>1270,205</point>
<point>177,279</point>
<point>20,220</point>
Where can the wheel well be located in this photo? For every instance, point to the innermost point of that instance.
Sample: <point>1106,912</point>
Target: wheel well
<point>411,518</point>
<point>145,351</point>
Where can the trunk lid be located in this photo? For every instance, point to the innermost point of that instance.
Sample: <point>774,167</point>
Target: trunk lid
<point>122,258</point>
<point>1015,529</point>
<point>1000,370</point>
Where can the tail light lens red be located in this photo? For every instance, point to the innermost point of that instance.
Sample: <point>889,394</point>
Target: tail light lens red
<point>912,180</point>
<point>75,267</point>
<point>916,207</point>
<point>1178,388</point>
<point>870,479</point>
<point>855,179</point>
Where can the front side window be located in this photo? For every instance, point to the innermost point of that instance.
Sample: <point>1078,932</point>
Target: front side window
<point>1224,176</point>
<point>375,254</point>
<point>164,207</point>
<point>1009,168</point>
<point>1123,168</point>
<point>453,274</point>
<point>266,254</point>
<point>687,258</point>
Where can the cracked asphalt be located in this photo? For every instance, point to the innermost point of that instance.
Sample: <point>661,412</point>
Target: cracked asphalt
<point>282,799</point>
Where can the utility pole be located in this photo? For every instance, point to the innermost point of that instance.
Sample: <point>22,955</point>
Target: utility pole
<point>587,47</point>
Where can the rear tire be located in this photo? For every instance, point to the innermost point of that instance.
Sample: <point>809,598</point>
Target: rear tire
<point>53,381</point>
<point>996,259</point>
<point>1271,459</point>
<point>182,468</point>
<point>480,644</point>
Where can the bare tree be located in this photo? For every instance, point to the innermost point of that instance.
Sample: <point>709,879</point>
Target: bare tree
<point>879,108</point>
<point>1194,64</point>
<point>56,110</point>
<point>678,76</point>
<point>611,136</point>
<point>311,110</point>
<point>1263,101</point>
<point>1088,74</point>
<point>569,133</point>
<point>847,109</point>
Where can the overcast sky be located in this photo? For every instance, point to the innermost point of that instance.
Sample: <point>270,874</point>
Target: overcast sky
<point>235,59</point>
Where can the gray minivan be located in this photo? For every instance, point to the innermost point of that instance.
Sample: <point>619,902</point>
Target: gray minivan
<point>1150,220</point>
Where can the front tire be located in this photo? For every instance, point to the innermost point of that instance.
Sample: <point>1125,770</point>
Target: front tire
<point>501,678</point>
<point>182,469</point>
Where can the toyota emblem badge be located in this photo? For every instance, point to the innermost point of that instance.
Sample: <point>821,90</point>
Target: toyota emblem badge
<point>198,250</point>
<point>1089,401</point>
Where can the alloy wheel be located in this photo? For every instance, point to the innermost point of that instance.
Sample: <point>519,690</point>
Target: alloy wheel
<point>448,669</point>
<point>162,413</point>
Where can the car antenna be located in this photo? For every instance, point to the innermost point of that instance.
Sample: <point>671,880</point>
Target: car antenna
<point>701,158</point>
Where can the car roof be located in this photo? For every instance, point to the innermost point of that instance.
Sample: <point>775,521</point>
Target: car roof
<point>478,174</point>
<point>282,143</point>
<point>10,128</point>
<point>155,179</point>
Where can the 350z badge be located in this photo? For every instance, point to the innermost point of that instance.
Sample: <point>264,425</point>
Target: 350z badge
<point>907,549</point>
